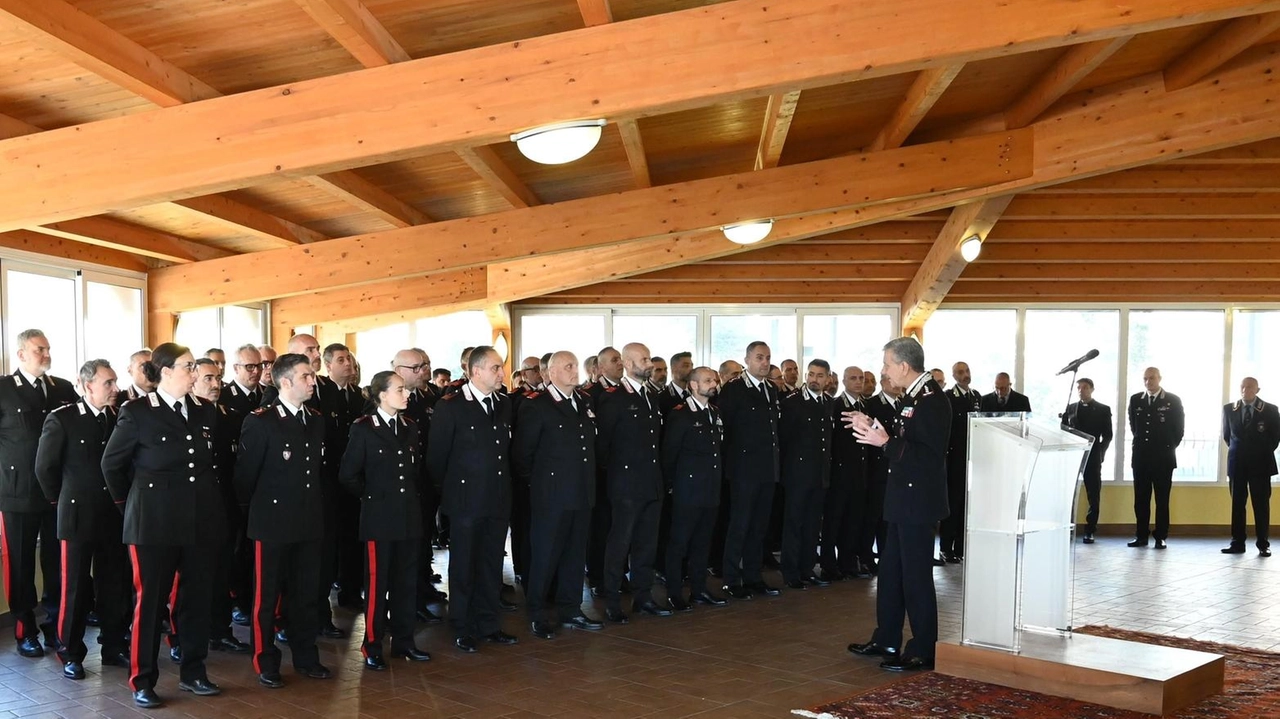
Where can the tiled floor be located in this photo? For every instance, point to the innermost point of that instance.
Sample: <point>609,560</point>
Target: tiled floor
<point>752,659</point>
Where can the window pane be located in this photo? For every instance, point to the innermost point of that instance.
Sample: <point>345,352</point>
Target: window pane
<point>112,324</point>
<point>583,335</point>
<point>240,326</point>
<point>376,348</point>
<point>199,330</point>
<point>46,303</point>
<point>1186,346</point>
<point>845,340</point>
<point>984,339</point>
<point>730,335</point>
<point>445,337</point>
<point>664,335</point>
<point>1255,344</point>
<point>1054,338</point>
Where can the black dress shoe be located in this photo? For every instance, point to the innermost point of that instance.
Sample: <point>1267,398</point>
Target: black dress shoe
<point>582,621</point>
<point>115,659</point>
<point>1234,549</point>
<point>651,608</point>
<point>147,699</point>
<point>1088,538</point>
<point>737,591</point>
<point>814,580</point>
<point>466,644</point>
<point>762,588</point>
<point>50,632</point>
<point>316,671</point>
<point>410,653</point>
<point>426,616</point>
<point>833,575</point>
<point>1137,543</point>
<point>906,664</point>
<point>230,644</point>
<point>271,680</point>
<point>374,663</point>
<point>175,653</point>
<point>73,670</point>
<point>30,648</point>
<point>796,584</point>
<point>500,637</point>
<point>616,616</point>
<point>1264,551</point>
<point>871,649</point>
<point>542,630</point>
<point>200,687</point>
<point>329,631</point>
<point>282,636</point>
<point>678,604</point>
<point>1161,545</point>
<point>239,618</point>
<point>953,558</point>
<point>506,606</point>
<point>708,599</point>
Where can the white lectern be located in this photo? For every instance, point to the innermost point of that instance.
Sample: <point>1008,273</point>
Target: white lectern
<point>1020,506</point>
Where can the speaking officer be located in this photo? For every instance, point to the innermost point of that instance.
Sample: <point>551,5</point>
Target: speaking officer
<point>915,499</point>
<point>630,427</point>
<point>381,468</point>
<point>804,437</point>
<point>26,398</point>
<point>158,464</point>
<point>278,483</point>
<point>1156,420</point>
<point>554,453</point>
<point>963,401</point>
<point>692,465</point>
<point>69,469</point>
<point>468,456</point>
<point>1092,418</point>
<point>749,408</point>
<point>846,499</point>
<point>1251,429</point>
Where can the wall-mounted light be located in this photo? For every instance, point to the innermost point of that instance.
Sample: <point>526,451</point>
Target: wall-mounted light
<point>747,233</point>
<point>559,143</point>
<point>500,345</point>
<point>970,248</point>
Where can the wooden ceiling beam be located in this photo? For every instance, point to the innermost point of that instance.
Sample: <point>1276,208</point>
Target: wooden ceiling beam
<point>924,93</point>
<point>13,127</point>
<point>486,163</point>
<point>679,277</point>
<point>1086,273</point>
<point>448,288</point>
<point>1074,65</point>
<point>1262,152</point>
<point>1136,253</point>
<point>375,115</point>
<point>1119,290</point>
<point>358,192</point>
<point>1257,206</point>
<point>1133,230</point>
<point>640,288</point>
<point>595,12</point>
<point>633,144</point>
<point>356,29</point>
<point>260,225</point>
<point>1177,178</point>
<point>823,254</point>
<point>943,265</point>
<point>778,114</point>
<point>1219,48</point>
<point>28,241</point>
<point>829,297</point>
<point>126,237</point>
<point>850,182</point>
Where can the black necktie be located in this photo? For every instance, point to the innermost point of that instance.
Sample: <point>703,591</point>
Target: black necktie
<point>395,426</point>
<point>574,402</point>
<point>40,386</point>
<point>1248,413</point>
<point>177,407</point>
<point>764,391</point>
<point>488,405</point>
<point>302,417</point>
<point>102,422</point>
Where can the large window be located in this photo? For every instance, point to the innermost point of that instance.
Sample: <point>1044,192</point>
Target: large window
<point>377,347</point>
<point>582,334</point>
<point>113,324</point>
<point>223,327</point>
<point>844,340</point>
<point>1255,350</point>
<point>984,339</point>
<point>445,337</point>
<point>664,335</point>
<point>44,299</point>
<point>730,335</point>
<point>1187,347</point>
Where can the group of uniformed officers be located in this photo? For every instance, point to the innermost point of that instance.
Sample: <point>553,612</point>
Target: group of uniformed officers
<point>183,505</point>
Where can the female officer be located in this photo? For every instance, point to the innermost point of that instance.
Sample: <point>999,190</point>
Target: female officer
<point>381,467</point>
<point>158,464</point>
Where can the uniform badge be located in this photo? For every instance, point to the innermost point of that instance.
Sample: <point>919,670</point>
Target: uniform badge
<point>287,454</point>
<point>591,413</point>
<point>907,412</point>
<point>697,424</point>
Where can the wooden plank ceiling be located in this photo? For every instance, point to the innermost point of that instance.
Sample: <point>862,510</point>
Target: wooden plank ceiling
<point>1106,152</point>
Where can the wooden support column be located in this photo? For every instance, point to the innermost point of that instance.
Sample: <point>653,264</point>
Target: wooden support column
<point>160,328</point>
<point>500,321</point>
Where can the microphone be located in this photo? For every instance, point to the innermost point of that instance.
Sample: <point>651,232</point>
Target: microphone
<point>1074,364</point>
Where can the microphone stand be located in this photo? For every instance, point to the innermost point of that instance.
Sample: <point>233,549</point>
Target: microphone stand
<point>1063,416</point>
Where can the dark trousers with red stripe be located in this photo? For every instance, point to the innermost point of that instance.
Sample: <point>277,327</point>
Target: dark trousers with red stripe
<point>94,574</point>
<point>182,575</point>
<point>390,588</point>
<point>22,533</point>
<point>285,572</point>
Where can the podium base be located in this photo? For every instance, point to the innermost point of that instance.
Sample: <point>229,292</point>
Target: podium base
<point>1125,675</point>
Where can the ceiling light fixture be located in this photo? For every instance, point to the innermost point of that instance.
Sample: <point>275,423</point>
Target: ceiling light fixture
<point>748,233</point>
<point>559,143</point>
<point>970,248</point>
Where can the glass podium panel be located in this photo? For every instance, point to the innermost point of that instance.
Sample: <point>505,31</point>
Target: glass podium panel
<point>1020,510</point>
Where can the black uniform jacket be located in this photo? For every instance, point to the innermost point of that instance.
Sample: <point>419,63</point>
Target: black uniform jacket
<point>881,407</point>
<point>1157,429</point>
<point>916,492</point>
<point>630,429</point>
<point>962,403</point>
<point>381,468</point>
<point>244,404</point>
<point>160,467</point>
<point>692,455</point>
<point>804,436</point>
<point>848,456</point>
<point>128,394</point>
<point>226,441</point>
<point>1251,448</point>
<point>669,397</point>
<point>468,455</point>
<point>554,450</point>
<point>69,468</point>
<point>278,474</point>
<point>338,409</point>
<point>23,409</point>
<point>1016,402</point>
<point>1093,419</point>
<point>750,432</point>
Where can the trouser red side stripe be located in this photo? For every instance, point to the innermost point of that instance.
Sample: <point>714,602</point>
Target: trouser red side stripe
<point>64,621</point>
<point>371,601</point>
<point>173,607</point>
<point>138,629</point>
<point>259,636</point>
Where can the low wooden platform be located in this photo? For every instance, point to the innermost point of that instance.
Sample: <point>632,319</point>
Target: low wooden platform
<point>1126,675</point>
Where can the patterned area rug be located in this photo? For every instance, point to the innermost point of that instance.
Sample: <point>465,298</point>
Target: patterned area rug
<point>1252,692</point>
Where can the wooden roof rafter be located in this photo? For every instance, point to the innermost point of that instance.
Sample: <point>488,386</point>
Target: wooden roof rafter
<point>1220,48</point>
